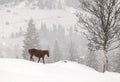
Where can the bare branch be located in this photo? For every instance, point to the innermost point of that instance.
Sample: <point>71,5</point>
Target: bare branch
<point>104,21</point>
<point>114,47</point>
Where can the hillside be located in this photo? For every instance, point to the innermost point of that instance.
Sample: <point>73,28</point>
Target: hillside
<point>42,4</point>
<point>14,18</point>
<point>18,70</point>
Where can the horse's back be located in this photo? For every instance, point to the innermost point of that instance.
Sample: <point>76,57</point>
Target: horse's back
<point>31,51</point>
<point>38,53</point>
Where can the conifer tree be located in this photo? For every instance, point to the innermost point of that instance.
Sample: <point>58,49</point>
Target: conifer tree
<point>31,39</point>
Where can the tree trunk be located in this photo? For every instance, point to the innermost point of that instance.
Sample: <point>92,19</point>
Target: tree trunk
<point>105,66</point>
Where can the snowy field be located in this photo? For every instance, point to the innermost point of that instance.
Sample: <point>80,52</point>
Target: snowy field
<point>18,70</point>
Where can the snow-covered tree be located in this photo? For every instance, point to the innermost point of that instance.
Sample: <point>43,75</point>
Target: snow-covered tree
<point>31,39</point>
<point>41,4</point>
<point>72,51</point>
<point>73,55</point>
<point>43,31</point>
<point>91,60</point>
<point>56,52</point>
<point>17,34</point>
<point>59,4</point>
<point>102,25</point>
<point>116,63</point>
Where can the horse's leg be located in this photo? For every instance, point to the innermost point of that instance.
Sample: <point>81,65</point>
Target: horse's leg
<point>38,59</point>
<point>43,60</point>
<point>30,57</point>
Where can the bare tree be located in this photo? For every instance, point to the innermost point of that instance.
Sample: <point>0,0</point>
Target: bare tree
<point>102,24</point>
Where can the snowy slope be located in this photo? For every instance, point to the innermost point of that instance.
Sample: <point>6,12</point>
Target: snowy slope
<point>12,18</point>
<point>17,70</point>
<point>42,4</point>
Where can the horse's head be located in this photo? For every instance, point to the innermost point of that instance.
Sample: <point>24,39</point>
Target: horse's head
<point>47,52</point>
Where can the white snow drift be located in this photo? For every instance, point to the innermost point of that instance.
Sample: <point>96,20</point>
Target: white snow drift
<point>17,70</point>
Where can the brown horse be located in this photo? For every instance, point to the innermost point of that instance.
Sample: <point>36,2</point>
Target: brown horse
<point>38,53</point>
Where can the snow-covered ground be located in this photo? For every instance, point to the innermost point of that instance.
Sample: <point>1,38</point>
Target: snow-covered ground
<point>18,70</point>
